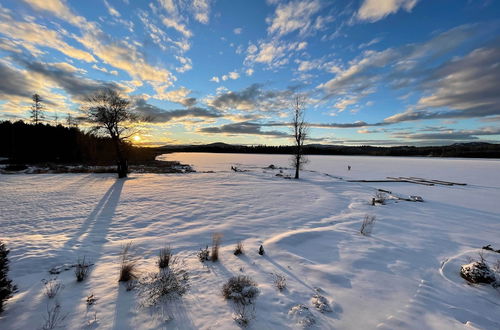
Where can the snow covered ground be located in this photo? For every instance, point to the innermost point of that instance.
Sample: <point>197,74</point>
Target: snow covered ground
<point>404,276</point>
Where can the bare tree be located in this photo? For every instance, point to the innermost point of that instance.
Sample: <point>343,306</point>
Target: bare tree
<point>36,109</point>
<point>111,114</point>
<point>300,129</point>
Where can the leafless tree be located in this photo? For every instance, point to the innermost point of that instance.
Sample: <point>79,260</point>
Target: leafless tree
<point>36,109</point>
<point>300,130</point>
<point>111,114</point>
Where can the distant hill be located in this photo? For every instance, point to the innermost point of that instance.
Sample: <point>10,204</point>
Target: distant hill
<point>470,150</point>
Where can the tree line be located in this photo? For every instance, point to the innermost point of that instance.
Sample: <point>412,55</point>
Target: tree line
<point>37,143</point>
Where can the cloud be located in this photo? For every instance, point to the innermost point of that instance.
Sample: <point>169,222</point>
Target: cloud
<point>66,78</point>
<point>231,75</point>
<point>252,98</point>
<point>178,96</point>
<point>201,10</point>
<point>125,56</point>
<point>451,134</point>
<point>294,15</point>
<point>181,28</point>
<point>468,86</point>
<point>19,82</point>
<point>103,69</point>
<point>242,128</point>
<point>112,11</point>
<point>249,72</point>
<point>215,79</point>
<point>238,30</point>
<point>30,34</point>
<point>59,9</point>
<point>155,114</point>
<point>274,53</point>
<point>375,10</point>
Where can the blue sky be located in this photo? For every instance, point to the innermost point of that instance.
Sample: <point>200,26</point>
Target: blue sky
<point>380,72</point>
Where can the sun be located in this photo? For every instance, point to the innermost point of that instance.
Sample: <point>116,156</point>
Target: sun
<point>137,138</point>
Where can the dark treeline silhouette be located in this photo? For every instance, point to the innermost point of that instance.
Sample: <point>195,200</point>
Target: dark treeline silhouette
<point>36,143</point>
<point>474,149</point>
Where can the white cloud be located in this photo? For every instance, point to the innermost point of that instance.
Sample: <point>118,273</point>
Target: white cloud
<point>231,75</point>
<point>201,10</point>
<point>294,15</point>
<point>274,53</point>
<point>112,11</point>
<point>177,96</point>
<point>375,10</point>
<point>215,79</point>
<point>171,23</point>
<point>59,9</point>
<point>32,35</point>
<point>249,72</point>
<point>238,30</point>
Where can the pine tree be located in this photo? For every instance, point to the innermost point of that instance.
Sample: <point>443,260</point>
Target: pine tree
<point>36,109</point>
<point>6,286</point>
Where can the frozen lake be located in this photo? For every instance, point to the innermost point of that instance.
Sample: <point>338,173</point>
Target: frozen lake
<point>481,175</point>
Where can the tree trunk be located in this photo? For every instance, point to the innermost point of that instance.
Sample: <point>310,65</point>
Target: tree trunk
<point>121,162</point>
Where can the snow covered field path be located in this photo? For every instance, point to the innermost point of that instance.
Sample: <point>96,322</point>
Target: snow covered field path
<point>404,276</point>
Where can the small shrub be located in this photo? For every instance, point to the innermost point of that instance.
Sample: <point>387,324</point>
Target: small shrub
<point>54,318</point>
<point>367,225</point>
<point>216,239</point>
<point>52,287</point>
<point>321,303</point>
<point>279,281</point>
<point>241,289</point>
<point>203,254</point>
<point>91,299</point>
<point>243,314</point>
<point>238,249</point>
<point>6,286</point>
<point>261,250</point>
<point>164,257</point>
<point>128,268</point>
<point>302,315</point>
<point>380,197</point>
<point>82,269</point>
<point>168,283</point>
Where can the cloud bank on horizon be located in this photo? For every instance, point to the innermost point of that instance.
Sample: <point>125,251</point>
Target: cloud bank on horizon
<point>381,72</point>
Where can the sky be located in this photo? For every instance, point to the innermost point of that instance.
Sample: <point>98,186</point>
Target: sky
<point>373,72</point>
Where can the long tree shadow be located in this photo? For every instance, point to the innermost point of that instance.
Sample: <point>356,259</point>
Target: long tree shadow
<point>92,234</point>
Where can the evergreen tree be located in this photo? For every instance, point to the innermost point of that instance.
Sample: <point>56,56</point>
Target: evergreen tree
<point>36,109</point>
<point>6,286</point>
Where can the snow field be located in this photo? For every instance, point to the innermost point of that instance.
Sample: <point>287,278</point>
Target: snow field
<point>405,275</point>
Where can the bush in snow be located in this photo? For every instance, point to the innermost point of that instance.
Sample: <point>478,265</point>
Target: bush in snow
<point>168,283</point>
<point>243,314</point>
<point>203,254</point>
<point>54,318</point>
<point>261,250</point>
<point>241,289</point>
<point>320,303</point>
<point>52,287</point>
<point>164,257</point>
<point>367,225</point>
<point>82,269</point>
<point>380,197</point>
<point>279,281</point>
<point>128,267</point>
<point>477,272</point>
<point>216,238</point>
<point>238,249</point>
<point>6,286</point>
<point>302,315</point>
